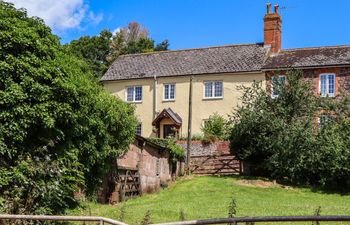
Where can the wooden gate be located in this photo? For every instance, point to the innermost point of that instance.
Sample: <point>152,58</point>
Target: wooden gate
<point>120,185</point>
<point>129,182</point>
<point>224,164</point>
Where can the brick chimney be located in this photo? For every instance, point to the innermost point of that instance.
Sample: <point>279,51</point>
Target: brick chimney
<point>273,29</point>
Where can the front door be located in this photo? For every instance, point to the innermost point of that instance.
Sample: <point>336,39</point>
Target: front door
<point>168,131</point>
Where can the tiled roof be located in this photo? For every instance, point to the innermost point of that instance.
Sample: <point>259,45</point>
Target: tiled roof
<point>170,114</point>
<point>222,59</point>
<point>309,57</point>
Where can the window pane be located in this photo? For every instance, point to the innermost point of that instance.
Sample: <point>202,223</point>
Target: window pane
<point>276,81</point>
<point>218,89</point>
<point>282,79</point>
<point>323,84</point>
<point>139,129</point>
<point>172,91</point>
<point>331,84</point>
<point>208,89</point>
<point>166,91</point>
<point>138,93</point>
<point>130,94</point>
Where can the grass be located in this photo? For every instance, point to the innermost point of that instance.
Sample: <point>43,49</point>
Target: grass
<point>209,197</point>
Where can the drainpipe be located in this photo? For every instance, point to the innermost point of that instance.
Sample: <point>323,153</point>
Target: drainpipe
<point>189,131</point>
<point>155,90</point>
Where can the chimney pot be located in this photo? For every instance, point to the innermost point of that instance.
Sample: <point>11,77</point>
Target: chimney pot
<point>273,29</point>
<point>268,8</point>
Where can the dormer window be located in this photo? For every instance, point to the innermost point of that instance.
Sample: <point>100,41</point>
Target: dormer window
<point>327,85</point>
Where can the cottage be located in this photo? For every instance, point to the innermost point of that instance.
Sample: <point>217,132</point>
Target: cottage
<point>158,83</point>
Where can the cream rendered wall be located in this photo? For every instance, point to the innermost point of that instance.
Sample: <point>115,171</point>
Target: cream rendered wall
<point>202,108</point>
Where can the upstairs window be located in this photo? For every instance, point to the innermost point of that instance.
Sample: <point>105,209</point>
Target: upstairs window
<point>276,82</point>
<point>327,85</point>
<point>169,92</point>
<point>134,94</point>
<point>213,89</point>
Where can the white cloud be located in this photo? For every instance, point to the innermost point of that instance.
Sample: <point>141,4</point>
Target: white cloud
<point>60,14</point>
<point>116,30</point>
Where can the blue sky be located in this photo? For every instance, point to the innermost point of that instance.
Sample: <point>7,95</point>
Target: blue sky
<point>201,23</point>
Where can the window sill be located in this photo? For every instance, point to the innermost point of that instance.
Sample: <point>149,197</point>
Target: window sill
<point>168,100</point>
<point>327,96</point>
<point>137,102</point>
<point>213,98</point>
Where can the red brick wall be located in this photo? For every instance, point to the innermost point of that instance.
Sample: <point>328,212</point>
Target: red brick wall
<point>342,85</point>
<point>273,31</point>
<point>153,165</point>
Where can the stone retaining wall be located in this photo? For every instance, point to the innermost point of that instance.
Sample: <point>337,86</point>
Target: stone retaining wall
<point>200,148</point>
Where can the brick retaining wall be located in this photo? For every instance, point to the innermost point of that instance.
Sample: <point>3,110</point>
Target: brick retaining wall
<point>199,148</point>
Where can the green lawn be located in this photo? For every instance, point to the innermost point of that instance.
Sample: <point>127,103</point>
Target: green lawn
<point>209,197</point>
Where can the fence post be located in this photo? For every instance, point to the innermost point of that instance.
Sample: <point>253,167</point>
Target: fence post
<point>102,222</point>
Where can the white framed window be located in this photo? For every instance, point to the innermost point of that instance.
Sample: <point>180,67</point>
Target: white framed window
<point>327,85</point>
<point>139,129</point>
<point>169,92</point>
<point>134,94</point>
<point>281,79</point>
<point>213,89</point>
<point>324,120</point>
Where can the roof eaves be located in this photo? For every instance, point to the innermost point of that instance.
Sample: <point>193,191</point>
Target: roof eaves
<point>189,74</point>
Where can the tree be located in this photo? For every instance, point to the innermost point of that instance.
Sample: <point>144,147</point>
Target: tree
<point>133,39</point>
<point>59,129</point>
<point>281,137</point>
<point>94,50</point>
<point>101,50</point>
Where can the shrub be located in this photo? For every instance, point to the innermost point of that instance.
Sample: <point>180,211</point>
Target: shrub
<point>280,136</point>
<point>177,153</point>
<point>215,128</point>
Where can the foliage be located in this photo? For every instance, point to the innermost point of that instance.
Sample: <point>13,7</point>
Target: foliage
<point>102,49</point>
<point>317,213</point>
<point>133,39</point>
<point>146,219</point>
<point>280,135</point>
<point>195,137</point>
<point>162,46</point>
<point>94,50</point>
<point>177,153</point>
<point>58,128</point>
<point>232,208</point>
<point>205,197</point>
<point>182,216</point>
<point>215,128</point>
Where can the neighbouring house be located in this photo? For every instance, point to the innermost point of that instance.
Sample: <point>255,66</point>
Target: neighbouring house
<point>158,83</point>
<point>144,168</point>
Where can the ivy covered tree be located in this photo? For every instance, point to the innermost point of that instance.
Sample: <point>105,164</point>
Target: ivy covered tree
<point>59,129</point>
<point>282,137</point>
